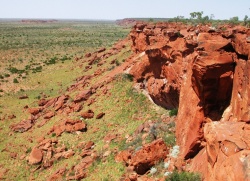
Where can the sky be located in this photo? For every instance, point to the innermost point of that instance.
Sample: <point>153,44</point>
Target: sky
<point>119,9</point>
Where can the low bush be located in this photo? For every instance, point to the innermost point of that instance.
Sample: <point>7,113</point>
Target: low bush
<point>184,176</point>
<point>173,112</point>
<point>15,81</point>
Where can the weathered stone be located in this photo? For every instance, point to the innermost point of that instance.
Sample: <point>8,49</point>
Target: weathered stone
<point>83,96</point>
<point>68,126</point>
<point>36,156</point>
<point>22,126</point>
<point>212,81</point>
<point>124,156</point>
<point>49,115</point>
<point>23,97</point>
<point>209,42</point>
<point>148,156</point>
<point>58,175</point>
<point>240,45</point>
<point>88,114</point>
<point>34,111</point>
<point>100,115</point>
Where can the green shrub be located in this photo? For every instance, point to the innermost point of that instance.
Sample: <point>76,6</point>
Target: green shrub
<point>117,63</point>
<point>51,61</point>
<point>184,176</point>
<point>14,70</point>
<point>173,112</point>
<point>169,139</point>
<point>38,97</point>
<point>15,81</point>
<point>127,77</point>
<point>111,68</point>
<point>28,150</point>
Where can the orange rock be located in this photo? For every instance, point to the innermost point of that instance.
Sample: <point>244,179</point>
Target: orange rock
<point>68,126</point>
<point>88,114</point>
<point>148,156</point>
<point>22,126</point>
<point>240,44</point>
<point>57,175</point>
<point>212,81</point>
<point>211,43</point>
<point>124,156</point>
<point>49,115</point>
<point>239,109</point>
<point>84,95</point>
<point>36,156</point>
<point>34,111</point>
<point>100,115</point>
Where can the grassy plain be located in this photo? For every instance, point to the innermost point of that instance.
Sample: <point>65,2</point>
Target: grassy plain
<point>41,58</point>
<point>28,48</point>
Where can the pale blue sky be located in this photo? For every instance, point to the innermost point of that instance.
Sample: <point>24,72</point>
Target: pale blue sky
<point>118,9</point>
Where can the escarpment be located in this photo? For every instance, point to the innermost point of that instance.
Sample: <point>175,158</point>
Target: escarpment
<point>204,72</point>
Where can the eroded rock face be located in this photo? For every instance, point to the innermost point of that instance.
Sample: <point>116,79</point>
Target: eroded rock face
<point>141,161</point>
<point>163,51</point>
<point>212,81</point>
<point>148,156</point>
<point>239,109</point>
<point>205,73</point>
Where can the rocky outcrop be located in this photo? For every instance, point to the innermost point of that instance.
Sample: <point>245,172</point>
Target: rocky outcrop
<point>68,126</point>
<point>162,58</point>
<point>22,126</point>
<point>141,161</point>
<point>204,73</point>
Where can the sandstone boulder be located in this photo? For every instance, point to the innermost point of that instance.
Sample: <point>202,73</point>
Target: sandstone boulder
<point>36,156</point>
<point>83,96</point>
<point>148,156</point>
<point>34,111</point>
<point>68,126</point>
<point>100,115</point>
<point>22,126</point>
<point>88,114</point>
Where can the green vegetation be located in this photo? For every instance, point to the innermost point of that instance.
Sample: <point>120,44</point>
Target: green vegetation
<point>173,112</point>
<point>15,81</point>
<point>197,18</point>
<point>28,48</point>
<point>44,63</point>
<point>41,57</point>
<point>183,176</point>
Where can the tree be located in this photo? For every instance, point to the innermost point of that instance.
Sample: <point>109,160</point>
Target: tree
<point>196,14</point>
<point>234,20</point>
<point>205,19</point>
<point>212,16</point>
<point>199,15</point>
<point>193,15</point>
<point>245,19</point>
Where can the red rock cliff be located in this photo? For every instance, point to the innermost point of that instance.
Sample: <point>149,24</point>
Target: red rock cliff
<point>204,72</point>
